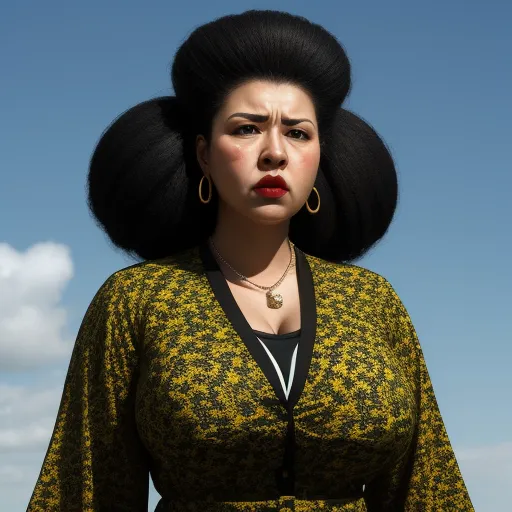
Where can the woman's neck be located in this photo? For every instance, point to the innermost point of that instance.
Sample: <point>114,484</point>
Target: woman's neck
<point>255,250</point>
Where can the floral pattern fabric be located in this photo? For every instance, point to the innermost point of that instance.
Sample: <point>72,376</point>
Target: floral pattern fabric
<point>160,383</point>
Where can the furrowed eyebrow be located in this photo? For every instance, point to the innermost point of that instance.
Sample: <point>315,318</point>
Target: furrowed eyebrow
<point>258,118</point>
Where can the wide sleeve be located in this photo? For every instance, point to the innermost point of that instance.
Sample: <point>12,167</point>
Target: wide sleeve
<point>95,460</point>
<point>427,478</point>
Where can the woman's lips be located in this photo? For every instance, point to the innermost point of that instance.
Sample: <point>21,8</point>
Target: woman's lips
<point>271,192</point>
<point>271,186</point>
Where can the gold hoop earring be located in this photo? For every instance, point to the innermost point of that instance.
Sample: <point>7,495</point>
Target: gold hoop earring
<point>310,210</point>
<point>205,201</point>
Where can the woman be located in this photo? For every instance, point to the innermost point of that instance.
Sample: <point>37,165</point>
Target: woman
<point>245,363</point>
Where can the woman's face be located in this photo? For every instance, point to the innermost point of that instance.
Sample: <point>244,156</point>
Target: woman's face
<point>263,130</point>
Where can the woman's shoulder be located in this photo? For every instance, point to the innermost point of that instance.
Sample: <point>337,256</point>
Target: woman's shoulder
<point>140,278</point>
<point>364,290</point>
<point>346,274</point>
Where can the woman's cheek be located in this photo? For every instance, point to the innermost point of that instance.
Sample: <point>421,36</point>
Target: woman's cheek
<point>230,151</point>
<point>242,161</point>
<point>233,164</point>
<point>310,162</point>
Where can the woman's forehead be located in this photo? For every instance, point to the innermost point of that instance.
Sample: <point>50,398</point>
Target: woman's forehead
<point>264,97</point>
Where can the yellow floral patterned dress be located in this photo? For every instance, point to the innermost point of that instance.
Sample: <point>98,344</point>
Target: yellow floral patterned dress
<point>167,378</point>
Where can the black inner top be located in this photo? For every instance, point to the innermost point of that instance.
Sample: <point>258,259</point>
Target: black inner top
<point>282,347</point>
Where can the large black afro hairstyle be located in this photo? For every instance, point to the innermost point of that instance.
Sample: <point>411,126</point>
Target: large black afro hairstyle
<point>144,175</point>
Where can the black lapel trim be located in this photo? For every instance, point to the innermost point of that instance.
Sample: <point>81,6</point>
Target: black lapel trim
<point>235,316</point>
<point>308,327</point>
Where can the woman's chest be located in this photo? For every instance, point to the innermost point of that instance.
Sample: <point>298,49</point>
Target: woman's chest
<point>263,312</point>
<point>199,375</point>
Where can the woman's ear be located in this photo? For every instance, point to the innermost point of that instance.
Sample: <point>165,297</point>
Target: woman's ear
<point>202,154</point>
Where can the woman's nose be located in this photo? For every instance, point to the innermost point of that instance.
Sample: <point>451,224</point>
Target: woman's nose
<point>273,155</point>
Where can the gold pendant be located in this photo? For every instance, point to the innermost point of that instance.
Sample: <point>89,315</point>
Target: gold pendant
<point>274,300</point>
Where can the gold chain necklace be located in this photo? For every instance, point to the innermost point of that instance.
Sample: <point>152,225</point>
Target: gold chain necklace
<point>274,300</point>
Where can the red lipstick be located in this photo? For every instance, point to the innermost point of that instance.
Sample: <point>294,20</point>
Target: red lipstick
<point>271,186</point>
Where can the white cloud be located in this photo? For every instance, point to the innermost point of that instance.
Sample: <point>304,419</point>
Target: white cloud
<point>27,417</point>
<point>497,454</point>
<point>487,471</point>
<point>31,319</point>
<point>10,475</point>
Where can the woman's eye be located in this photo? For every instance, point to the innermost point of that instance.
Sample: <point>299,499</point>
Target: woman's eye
<point>299,134</point>
<point>250,129</point>
<point>246,129</point>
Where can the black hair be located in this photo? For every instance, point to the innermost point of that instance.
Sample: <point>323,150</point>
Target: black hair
<point>144,175</point>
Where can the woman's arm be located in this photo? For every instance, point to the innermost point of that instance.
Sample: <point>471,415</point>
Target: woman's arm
<point>96,461</point>
<point>428,478</point>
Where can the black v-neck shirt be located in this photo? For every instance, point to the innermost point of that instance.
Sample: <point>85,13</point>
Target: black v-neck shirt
<point>282,347</point>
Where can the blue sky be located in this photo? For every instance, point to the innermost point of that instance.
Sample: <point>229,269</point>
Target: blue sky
<point>433,78</point>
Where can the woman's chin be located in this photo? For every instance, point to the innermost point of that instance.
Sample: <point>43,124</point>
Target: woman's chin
<point>271,215</point>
